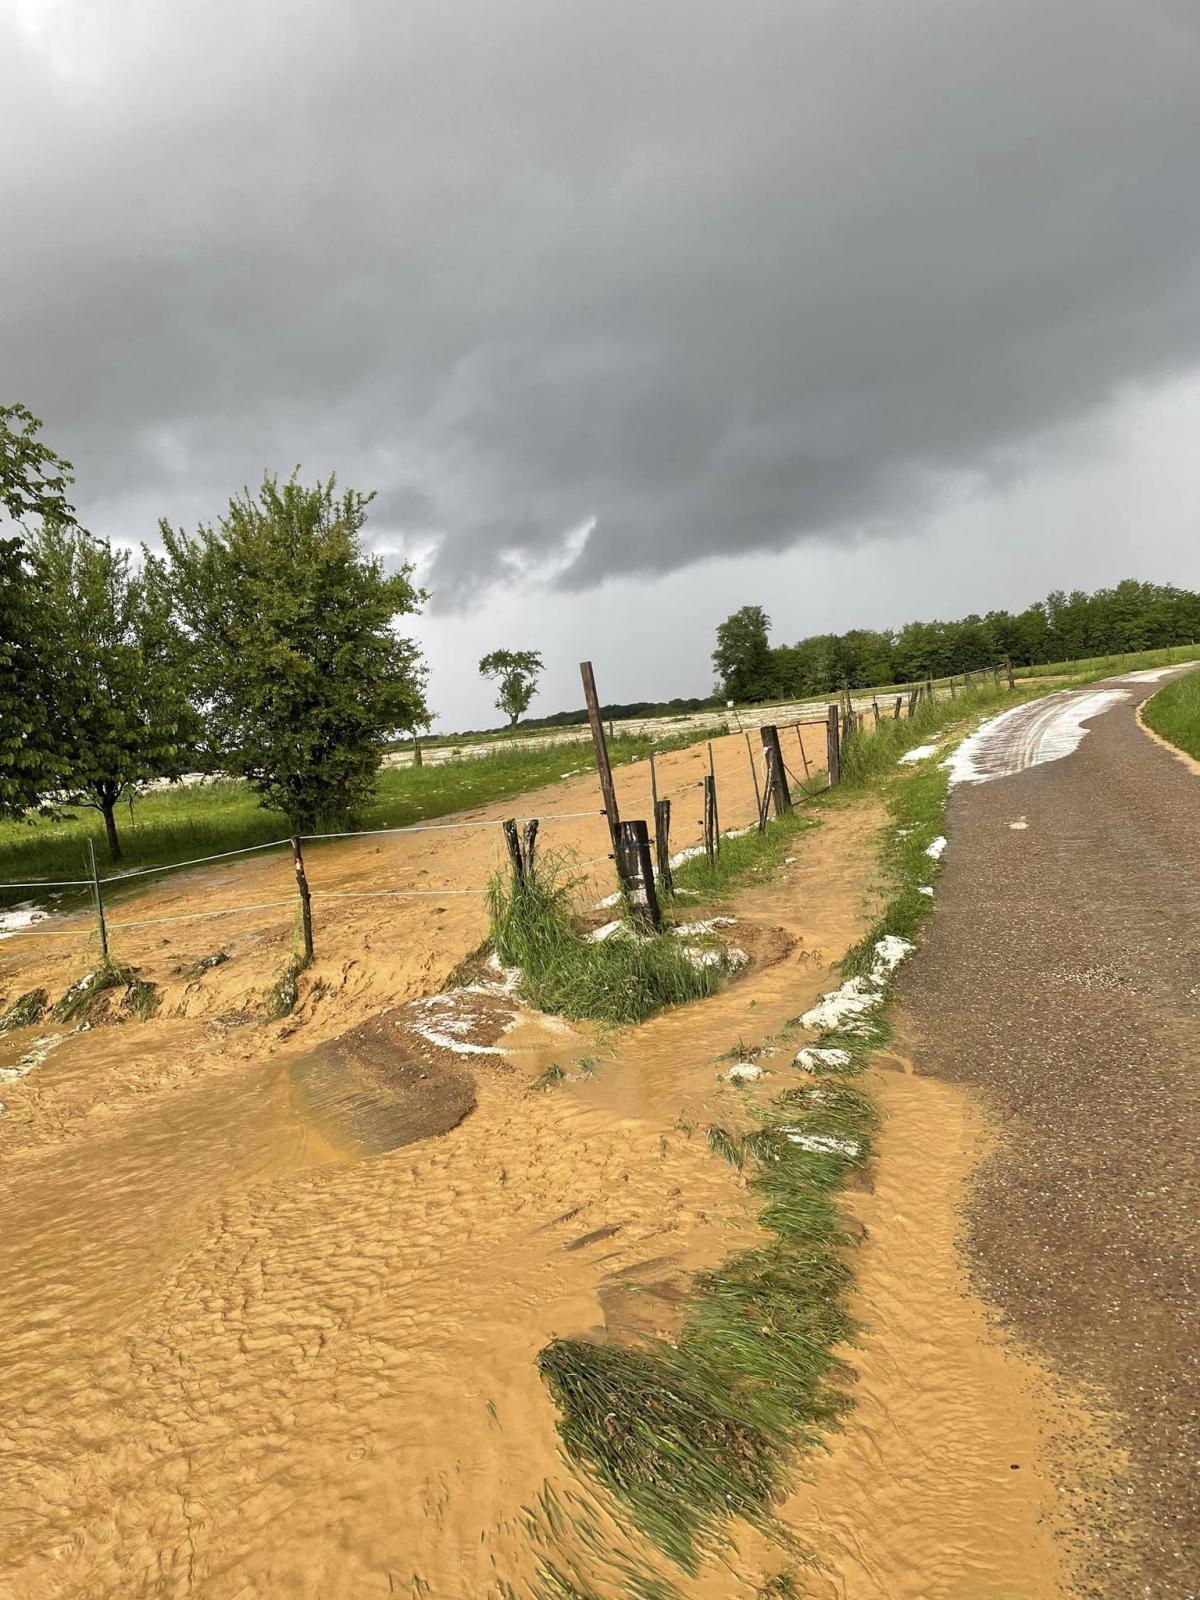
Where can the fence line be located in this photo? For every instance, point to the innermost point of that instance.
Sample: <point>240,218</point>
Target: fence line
<point>837,721</point>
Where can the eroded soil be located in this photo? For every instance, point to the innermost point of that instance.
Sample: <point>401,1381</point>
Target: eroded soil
<point>274,1292</point>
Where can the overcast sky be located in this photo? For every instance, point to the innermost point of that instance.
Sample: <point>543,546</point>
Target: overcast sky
<point>633,312</point>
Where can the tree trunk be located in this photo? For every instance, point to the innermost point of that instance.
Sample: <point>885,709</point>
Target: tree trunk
<point>108,808</point>
<point>513,718</point>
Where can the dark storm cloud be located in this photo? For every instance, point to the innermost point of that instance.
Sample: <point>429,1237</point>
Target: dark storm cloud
<point>709,278</point>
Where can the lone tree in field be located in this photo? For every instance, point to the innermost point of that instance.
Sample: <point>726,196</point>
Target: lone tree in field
<point>115,681</point>
<point>517,673</point>
<point>743,655</point>
<point>33,485</point>
<point>301,676</point>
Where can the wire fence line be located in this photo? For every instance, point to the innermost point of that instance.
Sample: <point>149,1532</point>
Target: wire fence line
<point>770,772</point>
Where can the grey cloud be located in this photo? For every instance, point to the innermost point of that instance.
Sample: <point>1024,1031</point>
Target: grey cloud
<point>722,278</point>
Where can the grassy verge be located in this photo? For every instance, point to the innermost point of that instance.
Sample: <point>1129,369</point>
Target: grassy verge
<point>1087,668</point>
<point>689,1433</point>
<point>1174,712</point>
<point>179,823</point>
<point>624,978</point>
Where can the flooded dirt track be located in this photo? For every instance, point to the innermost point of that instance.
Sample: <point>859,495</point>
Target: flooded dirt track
<point>1071,901</point>
<point>274,1293</point>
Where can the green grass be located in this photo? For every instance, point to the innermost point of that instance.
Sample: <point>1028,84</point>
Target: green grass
<point>1174,712</point>
<point>180,823</point>
<point>535,927</point>
<point>741,857</point>
<point>1089,668</point>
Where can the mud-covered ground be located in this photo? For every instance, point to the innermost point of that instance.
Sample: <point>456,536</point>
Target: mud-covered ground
<point>273,1292</point>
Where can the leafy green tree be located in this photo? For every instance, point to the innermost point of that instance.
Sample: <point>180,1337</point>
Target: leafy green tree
<point>743,657</point>
<point>33,485</point>
<point>301,675</point>
<point>517,673</point>
<point>115,682</point>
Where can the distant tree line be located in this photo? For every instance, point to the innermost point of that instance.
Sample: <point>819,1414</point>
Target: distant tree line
<point>1062,627</point>
<point>263,646</point>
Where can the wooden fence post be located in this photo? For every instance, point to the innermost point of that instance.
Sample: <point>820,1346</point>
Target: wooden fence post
<point>929,694</point>
<point>912,702</point>
<point>602,765</point>
<point>514,851</point>
<point>305,898</point>
<point>99,899</point>
<point>776,776</point>
<point>896,709</point>
<point>875,708</point>
<point>637,873</point>
<point>712,826</point>
<point>662,844</point>
<point>1012,683</point>
<point>529,844</point>
<point>418,758</point>
<point>833,746</point>
<point>653,786</point>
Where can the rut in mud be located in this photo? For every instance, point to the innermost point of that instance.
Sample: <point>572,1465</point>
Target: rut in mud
<point>273,1332</point>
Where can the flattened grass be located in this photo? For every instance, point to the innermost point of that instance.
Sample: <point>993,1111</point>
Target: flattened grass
<point>691,1433</point>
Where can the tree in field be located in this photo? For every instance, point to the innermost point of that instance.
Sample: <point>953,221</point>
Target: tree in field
<point>33,484</point>
<point>517,672</point>
<point>743,658</point>
<point>300,675</point>
<point>115,680</point>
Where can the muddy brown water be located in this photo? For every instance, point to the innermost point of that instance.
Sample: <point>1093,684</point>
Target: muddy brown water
<point>256,1345</point>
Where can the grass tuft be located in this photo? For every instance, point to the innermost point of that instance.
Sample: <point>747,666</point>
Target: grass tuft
<point>90,996</point>
<point>625,978</point>
<point>25,1010</point>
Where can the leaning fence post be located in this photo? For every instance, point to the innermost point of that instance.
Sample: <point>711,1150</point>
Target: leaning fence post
<point>712,830</point>
<point>833,747</point>
<point>754,776</point>
<point>912,702</point>
<point>896,711</point>
<point>99,899</point>
<point>305,899</point>
<point>607,788</point>
<point>803,755</point>
<point>662,844</point>
<point>1012,683</point>
<point>637,872</point>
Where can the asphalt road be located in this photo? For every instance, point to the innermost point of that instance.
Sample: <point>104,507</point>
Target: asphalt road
<point>1061,977</point>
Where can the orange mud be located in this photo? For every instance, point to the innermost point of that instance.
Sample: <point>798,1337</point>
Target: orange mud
<point>246,1357</point>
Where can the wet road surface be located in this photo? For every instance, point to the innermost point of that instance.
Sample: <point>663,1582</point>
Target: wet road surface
<point>1061,977</point>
